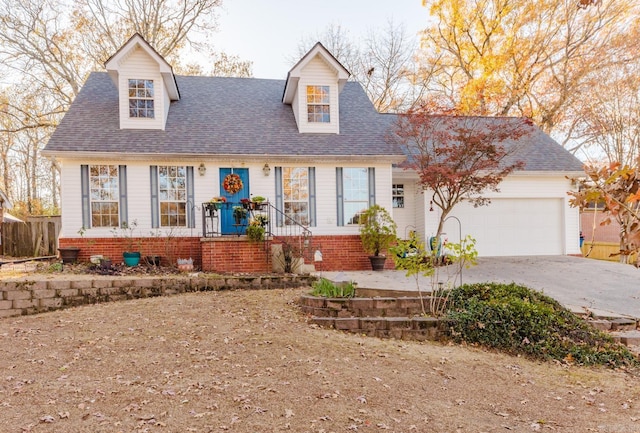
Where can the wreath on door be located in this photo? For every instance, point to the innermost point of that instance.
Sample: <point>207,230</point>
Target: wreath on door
<point>232,183</point>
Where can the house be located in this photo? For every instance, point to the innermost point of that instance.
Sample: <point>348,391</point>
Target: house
<point>145,149</point>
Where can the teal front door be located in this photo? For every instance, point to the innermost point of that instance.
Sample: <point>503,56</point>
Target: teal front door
<point>228,224</point>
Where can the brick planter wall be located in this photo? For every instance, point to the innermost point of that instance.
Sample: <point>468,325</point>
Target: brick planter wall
<point>387,317</point>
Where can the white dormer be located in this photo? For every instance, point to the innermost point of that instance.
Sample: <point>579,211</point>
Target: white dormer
<point>312,90</point>
<point>145,82</point>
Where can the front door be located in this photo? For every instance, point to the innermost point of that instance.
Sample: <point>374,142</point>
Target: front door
<point>233,192</point>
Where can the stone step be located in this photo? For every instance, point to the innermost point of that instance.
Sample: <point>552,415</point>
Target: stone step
<point>628,338</point>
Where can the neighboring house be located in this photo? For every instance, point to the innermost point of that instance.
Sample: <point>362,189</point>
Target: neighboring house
<point>144,148</point>
<point>5,204</point>
<point>5,217</point>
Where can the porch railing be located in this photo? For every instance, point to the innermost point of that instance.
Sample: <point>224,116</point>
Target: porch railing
<point>295,238</point>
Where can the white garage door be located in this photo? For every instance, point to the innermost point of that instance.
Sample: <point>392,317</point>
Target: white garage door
<point>512,227</point>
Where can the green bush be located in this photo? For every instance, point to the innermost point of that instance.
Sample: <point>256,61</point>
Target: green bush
<point>519,320</point>
<point>327,289</point>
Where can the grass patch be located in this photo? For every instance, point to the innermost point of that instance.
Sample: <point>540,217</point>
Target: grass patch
<point>328,289</point>
<point>522,321</point>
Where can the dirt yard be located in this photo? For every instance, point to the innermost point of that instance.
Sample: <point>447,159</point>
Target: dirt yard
<point>247,361</point>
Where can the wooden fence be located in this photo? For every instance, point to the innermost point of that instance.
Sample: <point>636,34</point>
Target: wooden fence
<point>605,251</point>
<point>36,237</point>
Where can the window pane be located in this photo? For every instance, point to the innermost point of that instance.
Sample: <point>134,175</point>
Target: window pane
<point>295,186</point>
<point>355,193</point>
<point>397,192</point>
<point>141,102</point>
<point>172,181</point>
<point>318,104</point>
<point>352,212</point>
<point>104,195</point>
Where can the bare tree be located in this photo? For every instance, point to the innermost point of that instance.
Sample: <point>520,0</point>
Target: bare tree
<point>383,64</point>
<point>48,47</point>
<point>606,125</point>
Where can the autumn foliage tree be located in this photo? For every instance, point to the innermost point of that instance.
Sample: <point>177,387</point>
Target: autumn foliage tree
<point>617,187</point>
<point>524,58</point>
<point>459,157</point>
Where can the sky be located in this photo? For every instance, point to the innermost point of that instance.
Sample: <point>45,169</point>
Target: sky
<point>268,32</point>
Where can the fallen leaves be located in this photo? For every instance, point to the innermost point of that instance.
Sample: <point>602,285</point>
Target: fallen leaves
<point>214,362</point>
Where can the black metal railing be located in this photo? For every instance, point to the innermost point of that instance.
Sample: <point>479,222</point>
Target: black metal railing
<point>279,228</point>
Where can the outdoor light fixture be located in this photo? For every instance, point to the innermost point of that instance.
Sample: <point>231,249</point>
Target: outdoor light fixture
<point>266,169</point>
<point>202,169</point>
<point>430,205</point>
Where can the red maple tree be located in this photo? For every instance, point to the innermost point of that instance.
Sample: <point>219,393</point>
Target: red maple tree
<point>459,157</point>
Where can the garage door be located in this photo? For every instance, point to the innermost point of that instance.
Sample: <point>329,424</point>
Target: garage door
<point>512,227</point>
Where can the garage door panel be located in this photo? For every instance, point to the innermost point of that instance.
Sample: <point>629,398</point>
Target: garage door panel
<point>508,227</point>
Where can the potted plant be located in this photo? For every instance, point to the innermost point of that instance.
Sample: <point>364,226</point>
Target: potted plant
<point>258,202</point>
<point>256,228</point>
<point>131,254</point>
<point>239,214</point>
<point>185,265</point>
<point>105,263</point>
<point>213,205</point>
<point>377,233</point>
<point>69,254</point>
<point>153,260</point>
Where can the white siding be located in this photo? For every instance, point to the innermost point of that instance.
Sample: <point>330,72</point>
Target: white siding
<point>317,73</point>
<point>296,109</point>
<point>139,65</point>
<point>206,187</point>
<point>529,216</point>
<point>406,218</point>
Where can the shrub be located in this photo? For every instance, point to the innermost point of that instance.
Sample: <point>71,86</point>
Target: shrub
<point>255,233</point>
<point>519,320</point>
<point>328,289</point>
<point>377,229</point>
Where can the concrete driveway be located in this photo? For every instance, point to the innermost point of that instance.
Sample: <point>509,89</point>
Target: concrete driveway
<point>606,289</point>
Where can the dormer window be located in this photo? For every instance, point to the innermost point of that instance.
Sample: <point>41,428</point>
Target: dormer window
<point>318,104</point>
<point>141,99</point>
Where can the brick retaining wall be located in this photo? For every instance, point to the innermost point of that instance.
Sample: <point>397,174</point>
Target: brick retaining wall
<point>31,297</point>
<point>383,317</point>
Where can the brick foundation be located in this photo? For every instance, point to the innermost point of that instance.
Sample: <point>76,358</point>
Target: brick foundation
<point>236,254</point>
<point>343,253</point>
<point>230,253</point>
<point>170,249</point>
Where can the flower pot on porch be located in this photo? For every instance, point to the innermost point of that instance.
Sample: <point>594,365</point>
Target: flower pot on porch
<point>69,254</point>
<point>377,262</point>
<point>130,258</point>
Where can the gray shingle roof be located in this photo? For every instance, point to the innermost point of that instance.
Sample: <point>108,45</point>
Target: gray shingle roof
<point>246,116</point>
<point>220,116</point>
<point>535,148</point>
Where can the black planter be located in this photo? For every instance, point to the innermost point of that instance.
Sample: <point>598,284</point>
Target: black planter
<point>377,262</point>
<point>153,260</point>
<point>69,254</point>
<point>105,264</point>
